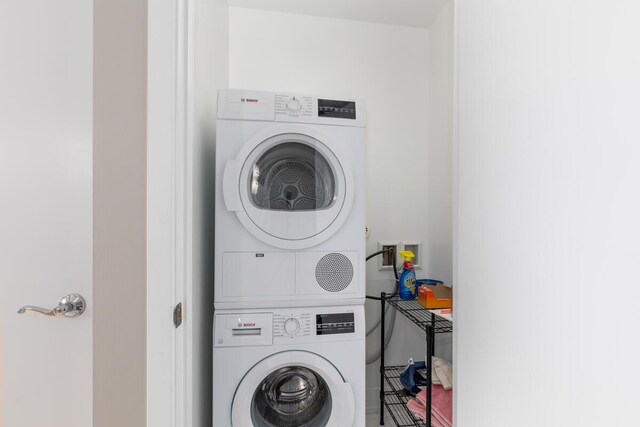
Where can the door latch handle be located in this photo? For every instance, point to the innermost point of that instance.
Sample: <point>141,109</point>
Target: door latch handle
<point>71,305</point>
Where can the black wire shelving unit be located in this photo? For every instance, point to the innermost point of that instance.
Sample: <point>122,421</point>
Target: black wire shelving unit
<point>393,397</point>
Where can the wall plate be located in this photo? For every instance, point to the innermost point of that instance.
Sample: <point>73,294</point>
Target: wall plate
<point>416,248</point>
<point>383,262</point>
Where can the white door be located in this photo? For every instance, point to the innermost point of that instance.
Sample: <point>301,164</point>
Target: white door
<point>46,102</point>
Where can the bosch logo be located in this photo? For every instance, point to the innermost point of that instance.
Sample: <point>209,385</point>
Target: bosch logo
<point>249,99</point>
<point>249,325</point>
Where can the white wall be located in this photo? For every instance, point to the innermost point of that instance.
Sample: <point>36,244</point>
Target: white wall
<point>439,176</point>
<point>438,245</point>
<point>547,288</point>
<point>1,375</point>
<point>389,67</point>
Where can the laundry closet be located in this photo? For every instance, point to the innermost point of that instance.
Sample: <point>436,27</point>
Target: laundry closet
<point>397,58</point>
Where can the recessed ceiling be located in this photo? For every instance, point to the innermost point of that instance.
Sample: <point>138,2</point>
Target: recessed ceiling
<point>411,13</point>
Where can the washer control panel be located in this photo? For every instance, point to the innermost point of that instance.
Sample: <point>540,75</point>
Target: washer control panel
<point>288,326</point>
<point>291,324</point>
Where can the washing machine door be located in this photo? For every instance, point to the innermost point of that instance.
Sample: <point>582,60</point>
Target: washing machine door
<point>288,188</point>
<point>294,389</point>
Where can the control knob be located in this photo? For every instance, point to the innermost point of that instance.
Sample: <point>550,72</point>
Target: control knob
<point>294,105</point>
<point>291,326</point>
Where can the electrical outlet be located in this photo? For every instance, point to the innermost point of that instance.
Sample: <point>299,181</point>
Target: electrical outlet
<point>385,261</point>
<point>416,248</point>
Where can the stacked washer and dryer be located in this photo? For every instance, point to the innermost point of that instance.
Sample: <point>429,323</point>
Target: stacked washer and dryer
<point>289,327</point>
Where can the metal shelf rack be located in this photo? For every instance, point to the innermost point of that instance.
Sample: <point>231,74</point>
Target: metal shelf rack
<point>393,397</point>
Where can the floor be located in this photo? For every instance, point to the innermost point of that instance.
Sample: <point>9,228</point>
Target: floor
<point>373,420</point>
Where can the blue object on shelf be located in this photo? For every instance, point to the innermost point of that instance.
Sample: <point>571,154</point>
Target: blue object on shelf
<point>411,378</point>
<point>428,282</point>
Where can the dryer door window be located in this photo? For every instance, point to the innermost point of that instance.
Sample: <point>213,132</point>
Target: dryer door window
<point>292,176</point>
<point>293,190</point>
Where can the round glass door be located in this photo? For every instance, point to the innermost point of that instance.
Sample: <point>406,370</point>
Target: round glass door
<point>294,389</point>
<point>293,396</point>
<point>293,190</point>
<point>292,176</point>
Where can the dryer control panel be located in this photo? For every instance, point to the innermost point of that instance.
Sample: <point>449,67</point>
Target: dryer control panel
<point>290,107</point>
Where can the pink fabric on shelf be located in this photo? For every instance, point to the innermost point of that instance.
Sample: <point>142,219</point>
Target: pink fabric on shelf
<point>438,421</point>
<point>441,405</point>
<point>417,409</point>
<point>422,397</point>
<point>420,412</point>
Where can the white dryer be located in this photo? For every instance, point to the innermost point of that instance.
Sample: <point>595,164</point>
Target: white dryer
<point>289,367</point>
<point>290,200</point>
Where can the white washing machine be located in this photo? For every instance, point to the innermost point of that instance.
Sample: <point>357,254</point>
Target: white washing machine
<point>294,367</point>
<point>290,200</point>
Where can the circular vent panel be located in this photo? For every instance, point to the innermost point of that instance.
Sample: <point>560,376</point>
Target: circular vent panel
<point>334,272</point>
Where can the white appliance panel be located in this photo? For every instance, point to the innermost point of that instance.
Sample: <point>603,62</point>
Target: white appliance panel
<point>237,330</point>
<point>246,105</point>
<point>258,274</point>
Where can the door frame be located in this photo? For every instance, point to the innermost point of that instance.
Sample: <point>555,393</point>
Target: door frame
<point>181,125</point>
<point>169,130</point>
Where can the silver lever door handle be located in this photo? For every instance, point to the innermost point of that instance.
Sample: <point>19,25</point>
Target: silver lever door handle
<point>71,305</point>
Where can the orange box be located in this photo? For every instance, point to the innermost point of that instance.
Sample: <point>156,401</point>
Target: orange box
<point>435,296</point>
